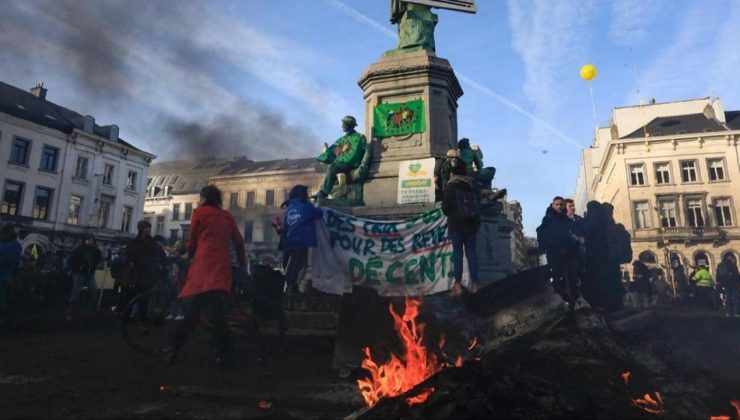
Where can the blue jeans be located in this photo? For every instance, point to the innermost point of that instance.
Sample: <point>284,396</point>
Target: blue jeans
<point>79,281</point>
<point>466,241</point>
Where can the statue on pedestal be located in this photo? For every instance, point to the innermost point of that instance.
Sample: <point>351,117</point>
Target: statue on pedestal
<point>415,25</point>
<point>473,161</point>
<point>347,162</point>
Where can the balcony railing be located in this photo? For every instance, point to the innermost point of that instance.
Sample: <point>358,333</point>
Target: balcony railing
<point>691,231</point>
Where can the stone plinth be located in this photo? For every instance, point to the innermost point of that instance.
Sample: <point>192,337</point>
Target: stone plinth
<point>400,78</point>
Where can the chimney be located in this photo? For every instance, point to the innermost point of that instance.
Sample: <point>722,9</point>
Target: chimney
<point>113,134</point>
<point>88,123</point>
<point>39,91</point>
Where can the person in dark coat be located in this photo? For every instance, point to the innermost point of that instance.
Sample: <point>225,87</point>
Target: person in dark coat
<point>82,264</point>
<point>561,248</point>
<point>462,228</point>
<point>596,254</point>
<point>729,279</point>
<point>10,256</point>
<point>144,263</point>
<point>641,287</point>
<point>682,282</point>
<point>300,234</point>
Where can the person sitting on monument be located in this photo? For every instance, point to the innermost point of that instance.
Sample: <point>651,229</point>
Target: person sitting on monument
<point>343,156</point>
<point>442,171</point>
<point>483,176</point>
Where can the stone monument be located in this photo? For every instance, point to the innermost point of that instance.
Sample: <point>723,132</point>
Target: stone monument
<point>410,97</point>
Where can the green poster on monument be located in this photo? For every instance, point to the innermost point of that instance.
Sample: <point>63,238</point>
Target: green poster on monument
<point>399,119</point>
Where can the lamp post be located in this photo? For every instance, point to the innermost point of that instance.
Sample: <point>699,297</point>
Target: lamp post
<point>666,251</point>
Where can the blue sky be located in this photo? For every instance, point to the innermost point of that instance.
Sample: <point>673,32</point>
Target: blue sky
<point>271,79</point>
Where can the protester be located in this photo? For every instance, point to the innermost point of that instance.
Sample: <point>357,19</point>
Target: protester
<point>82,264</point>
<point>300,234</point>
<point>209,280</point>
<point>562,249</point>
<point>144,264</point>
<point>640,288</point>
<point>277,224</point>
<point>10,257</point>
<point>575,266</point>
<point>704,287</point>
<point>179,264</point>
<point>729,279</point>
<point>682,282</point>
<point>461,205</point>
<point>604,254</point>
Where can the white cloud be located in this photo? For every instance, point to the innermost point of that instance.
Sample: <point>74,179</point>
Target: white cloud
<point>632,20</point>
<point>549,38</point>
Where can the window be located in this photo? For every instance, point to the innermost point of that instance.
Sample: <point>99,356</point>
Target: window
<point>716,169</point>
<point>270,198</point>
<point>160,225</point>
<point>286,194</point>
<point>668,214</point>
<point>81,168</point>
<point>108,174</point>
<point>248,232</point>
<point>642,215</point>
<point>19,151</point>
<point>662,173</point>
<point>41,203</point>
<point>688,171</point>
<point>637,175</point>
<point>131,180</point>
<point>250,198</point>
<point>12,198</point>
<point>268,232</point>
<point>104,206</point>
<point>49,158</point>
<point>188,210</point>
<point>128,213</point>
<point>176,211</point>
<point>174,233</point>
<point>694,212</point>
<point>75,208</point>
<point>723,211</point>
<point>234,200</point>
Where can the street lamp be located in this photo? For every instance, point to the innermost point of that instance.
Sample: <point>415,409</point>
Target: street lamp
<point>666,251</point>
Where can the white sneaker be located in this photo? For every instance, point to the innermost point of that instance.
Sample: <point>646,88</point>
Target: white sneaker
<point>179,318</point>
<point>169,317</point>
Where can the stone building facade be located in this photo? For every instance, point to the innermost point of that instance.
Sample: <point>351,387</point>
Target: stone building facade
<point>672,172</point>
<point>64,176</point>
<point>252,191</point>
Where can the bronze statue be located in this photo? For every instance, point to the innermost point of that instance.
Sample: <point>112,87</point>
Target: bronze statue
<point>415,25</point>
<point>349,159</point>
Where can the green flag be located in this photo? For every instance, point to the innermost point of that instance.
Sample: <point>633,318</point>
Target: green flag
<point>399,118</point>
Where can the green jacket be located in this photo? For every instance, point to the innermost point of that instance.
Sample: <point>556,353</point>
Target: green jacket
<point>471,159</point>
<point>348,149</point>
<point>703,278</point>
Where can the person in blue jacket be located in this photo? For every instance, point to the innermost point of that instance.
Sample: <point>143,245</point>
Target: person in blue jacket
<point>10,256</point>
<point>299,234</point>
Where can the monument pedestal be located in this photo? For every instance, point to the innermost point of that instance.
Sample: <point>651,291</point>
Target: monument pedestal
<point>400,78</point>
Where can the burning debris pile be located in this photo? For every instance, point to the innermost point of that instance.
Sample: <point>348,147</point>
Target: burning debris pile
<point>574,365</point>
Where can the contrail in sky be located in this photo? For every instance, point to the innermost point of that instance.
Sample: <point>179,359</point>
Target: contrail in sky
<point>477,86</point>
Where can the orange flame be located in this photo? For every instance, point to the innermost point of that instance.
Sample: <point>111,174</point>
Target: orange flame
<point>626,377</point>
<point>473,343</point>
<point>400,374</point>
<point>719,418</point>
<point>650,404</point>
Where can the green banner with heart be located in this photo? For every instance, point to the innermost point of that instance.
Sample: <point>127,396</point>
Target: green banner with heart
<point>398,119</point>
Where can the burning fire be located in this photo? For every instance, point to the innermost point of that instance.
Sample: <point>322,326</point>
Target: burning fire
<point>649,403</point>
<point>736,405</point>
<point>413,366</point>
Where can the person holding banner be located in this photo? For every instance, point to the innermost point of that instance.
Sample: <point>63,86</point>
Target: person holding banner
<point>300,234</point>
<point>461,205</point>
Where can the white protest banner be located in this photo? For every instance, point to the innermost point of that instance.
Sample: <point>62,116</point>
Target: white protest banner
<point>416,181</point>
<point>410,257</point>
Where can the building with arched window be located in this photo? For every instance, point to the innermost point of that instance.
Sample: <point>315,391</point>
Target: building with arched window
<point>672,172</point>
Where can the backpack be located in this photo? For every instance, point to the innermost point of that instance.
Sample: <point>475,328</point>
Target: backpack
<point>467,205</point>
<point>619,245</point>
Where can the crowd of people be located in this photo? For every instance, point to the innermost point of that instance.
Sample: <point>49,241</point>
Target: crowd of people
<point>585,253</point>
<point>588,258</point>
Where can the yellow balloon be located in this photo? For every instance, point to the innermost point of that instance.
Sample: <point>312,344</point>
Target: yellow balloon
<point>588,72</point>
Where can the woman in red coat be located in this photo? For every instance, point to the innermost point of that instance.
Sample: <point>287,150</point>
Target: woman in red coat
<point>212,229</point>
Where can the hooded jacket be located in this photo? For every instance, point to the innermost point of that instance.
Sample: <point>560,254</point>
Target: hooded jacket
<point>457,223</point>
<point>298,222</point>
